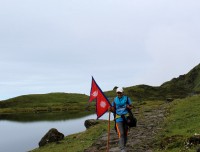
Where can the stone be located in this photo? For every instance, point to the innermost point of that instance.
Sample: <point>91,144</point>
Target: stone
<point>169,100</point>
<point>90,122</point>
<point>194,140</point>
<point>53,135</point>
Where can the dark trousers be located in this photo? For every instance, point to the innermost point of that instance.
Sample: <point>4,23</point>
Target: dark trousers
<point>122,130</point>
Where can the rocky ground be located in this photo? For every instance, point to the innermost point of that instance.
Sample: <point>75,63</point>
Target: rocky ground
<point>140,138</point>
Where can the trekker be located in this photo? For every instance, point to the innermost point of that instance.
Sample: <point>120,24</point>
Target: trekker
<point>119,107</point>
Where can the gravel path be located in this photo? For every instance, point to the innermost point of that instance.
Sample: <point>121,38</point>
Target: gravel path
<point>140,138</point>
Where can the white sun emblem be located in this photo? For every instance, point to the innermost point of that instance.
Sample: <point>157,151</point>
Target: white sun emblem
<point>95,93</point>
<point>103,104</point>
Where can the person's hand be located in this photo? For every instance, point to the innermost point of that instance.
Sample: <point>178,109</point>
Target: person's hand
<point>129,107</point>
<point>112,109</point>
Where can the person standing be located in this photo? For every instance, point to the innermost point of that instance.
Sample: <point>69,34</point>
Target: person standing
<point>120,107</point>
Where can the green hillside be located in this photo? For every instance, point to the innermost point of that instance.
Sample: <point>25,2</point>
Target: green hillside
<point>181,87</point>
<point>181,126</point>
<point>186,84</point>
<point>45,103</point>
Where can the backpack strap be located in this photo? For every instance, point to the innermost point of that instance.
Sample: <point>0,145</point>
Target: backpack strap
<point>127,101</point>
<point>114,114</point>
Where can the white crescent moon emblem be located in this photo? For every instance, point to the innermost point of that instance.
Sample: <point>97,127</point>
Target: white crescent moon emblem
<point>95,93</point>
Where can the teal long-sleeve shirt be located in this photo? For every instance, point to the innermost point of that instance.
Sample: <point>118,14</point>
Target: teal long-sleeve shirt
<point>120,106</point>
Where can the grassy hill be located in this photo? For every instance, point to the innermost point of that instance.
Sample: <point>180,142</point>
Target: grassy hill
<point>181,125</point>
<point>181,87</point>
<point>186,84</point>
<point>45,103</point>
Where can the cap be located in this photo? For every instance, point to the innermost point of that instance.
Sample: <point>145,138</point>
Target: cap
<point>119,90</point>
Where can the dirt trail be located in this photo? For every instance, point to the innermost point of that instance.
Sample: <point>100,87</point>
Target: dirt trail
<point>140,139</point>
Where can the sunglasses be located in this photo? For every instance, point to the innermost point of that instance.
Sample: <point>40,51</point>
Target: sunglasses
<point>119,92</point>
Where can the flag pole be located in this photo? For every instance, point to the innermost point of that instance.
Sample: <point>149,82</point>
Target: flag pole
<point>108,132</point>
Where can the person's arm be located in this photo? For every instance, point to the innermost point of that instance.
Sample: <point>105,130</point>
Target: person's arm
<point>129,105</point>
<point>111,108</point>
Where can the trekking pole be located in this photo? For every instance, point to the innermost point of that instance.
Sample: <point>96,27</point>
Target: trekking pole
<point>108,132</point>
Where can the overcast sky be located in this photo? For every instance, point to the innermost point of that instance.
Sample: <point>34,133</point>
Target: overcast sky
<point>57,45</point>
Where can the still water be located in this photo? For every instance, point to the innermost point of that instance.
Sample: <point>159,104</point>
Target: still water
<point>22,136</point>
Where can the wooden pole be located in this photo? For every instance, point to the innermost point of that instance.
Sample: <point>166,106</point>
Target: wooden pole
<point>108,132</point>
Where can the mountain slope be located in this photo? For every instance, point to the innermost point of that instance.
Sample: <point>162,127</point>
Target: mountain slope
<point>189,82</point>
<point>183,86</point>
<point>45,102</point>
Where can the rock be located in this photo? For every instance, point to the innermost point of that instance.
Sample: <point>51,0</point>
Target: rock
<point>51,136</point>
<point>169,140</point>
<point>169,100</point>
<point>194,140</point>
<point>91,122</point>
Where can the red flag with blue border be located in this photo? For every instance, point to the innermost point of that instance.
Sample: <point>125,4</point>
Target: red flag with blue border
<point>94,90</point>
<point>102,102</point>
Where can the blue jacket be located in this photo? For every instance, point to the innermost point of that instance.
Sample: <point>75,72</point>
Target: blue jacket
<point>120,106</point>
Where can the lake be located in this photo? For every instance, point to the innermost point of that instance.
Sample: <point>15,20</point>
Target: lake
<point>22,135</point>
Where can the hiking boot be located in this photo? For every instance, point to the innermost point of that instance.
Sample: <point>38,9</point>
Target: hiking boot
<point>123,150</point>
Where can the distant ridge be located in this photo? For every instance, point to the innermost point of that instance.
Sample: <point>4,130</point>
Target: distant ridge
<point>189,82</point>
<point>50,102</point>
<point>183,86</point>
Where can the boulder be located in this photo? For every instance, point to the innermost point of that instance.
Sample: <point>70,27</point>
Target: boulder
<point>91,122</point>
<point>53,135</point>
<point>194,140</point>
<point>169,100</point>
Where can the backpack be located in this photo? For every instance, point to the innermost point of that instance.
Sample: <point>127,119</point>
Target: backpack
<point>130,120</point>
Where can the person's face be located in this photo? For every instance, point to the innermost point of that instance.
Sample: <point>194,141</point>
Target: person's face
<point>119,94</point>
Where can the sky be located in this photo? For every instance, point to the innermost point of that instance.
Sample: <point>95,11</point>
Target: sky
<point>58,45</point>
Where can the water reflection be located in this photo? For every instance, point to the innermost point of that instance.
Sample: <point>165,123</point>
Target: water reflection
<point>18,136</point>
<point>52,116</point>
